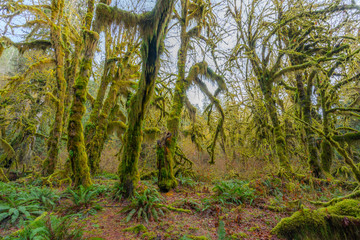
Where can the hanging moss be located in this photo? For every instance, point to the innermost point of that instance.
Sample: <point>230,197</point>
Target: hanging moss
<point>153,35</point>
<point>96,145</point>
<point>26,46</point>
<point>41,64</point>
<point>341,221</point>
<point>2,48</point>
<point>151,133</point>
<point>107,15</point>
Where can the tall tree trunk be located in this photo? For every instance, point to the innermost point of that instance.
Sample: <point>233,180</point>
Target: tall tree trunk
<point>107,75</point>
<point>166,147</point>
<point>327,152</point>
<point>56,131</point>
<point>266,88</point>
<point>305,106</point>
<point>153,37</point>
<point>96,145</point>
<point>76,144</point>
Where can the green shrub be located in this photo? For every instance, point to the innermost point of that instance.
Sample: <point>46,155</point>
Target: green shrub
<point>46,197</point>
<point>83,200</point>
<point>186,181</point>
<point>145,205</point>
<point>14,210</point>
<point>233,192</point>
<point>50,227</point>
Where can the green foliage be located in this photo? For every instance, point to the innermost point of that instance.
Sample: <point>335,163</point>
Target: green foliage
<point>186,181</point>
<point>188,203</point>
<point>83,200</point>
<point>51,227</point>
<point>136,229</point>
<point>145,206</point>
<point>107,176</point>
<point>82,197</point>
<point>15,210</point>
<point>233,192</point>
<point>117,192</point>
<point>46,197</point>
<point>221,230</point>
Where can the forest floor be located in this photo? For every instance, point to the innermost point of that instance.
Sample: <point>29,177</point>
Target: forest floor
<point>273,200</point>
<point>203,210</point>
<point>241,222</point>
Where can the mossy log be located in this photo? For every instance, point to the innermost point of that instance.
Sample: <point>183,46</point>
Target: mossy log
<point>165,164</point>
<point>341,221</point>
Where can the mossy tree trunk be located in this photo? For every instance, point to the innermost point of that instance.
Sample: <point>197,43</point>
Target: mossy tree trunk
<point>107,75</point>
<point>70,76</point>
<point>152,41</point>
<point>270,104</point>
<point>124,74</point>
<point>181,86</point>
<point>96,145</point>
<point>305,108</point>
<point>56,131</point>
<point>327,152</point>
<point>76,144</point>
<point>166,148</point>
<point>165,163</point>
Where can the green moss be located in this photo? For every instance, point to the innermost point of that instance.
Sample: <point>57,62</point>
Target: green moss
<point>197,237</point>
<point>136,229</point>
<point>153,31</point>
<point>149,235</point>
<point>240,235</point>
<point>166,178</point>
<point>340,221</point>
<point>76,142</point>
<point>327,155</point>
<point>3,177</point>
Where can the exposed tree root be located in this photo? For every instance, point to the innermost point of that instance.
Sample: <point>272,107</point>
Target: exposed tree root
<point>62,178</point>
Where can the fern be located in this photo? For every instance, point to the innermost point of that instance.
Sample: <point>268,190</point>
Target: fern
<point>233,192</point>
<point>145,206</point>
<point>51,227</point>
<point>15,211</point>
<point>186,181</point>
<point>83,200</point>
<point>47,198</point>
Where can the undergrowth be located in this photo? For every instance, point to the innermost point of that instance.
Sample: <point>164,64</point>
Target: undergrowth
<point>145,206</point>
